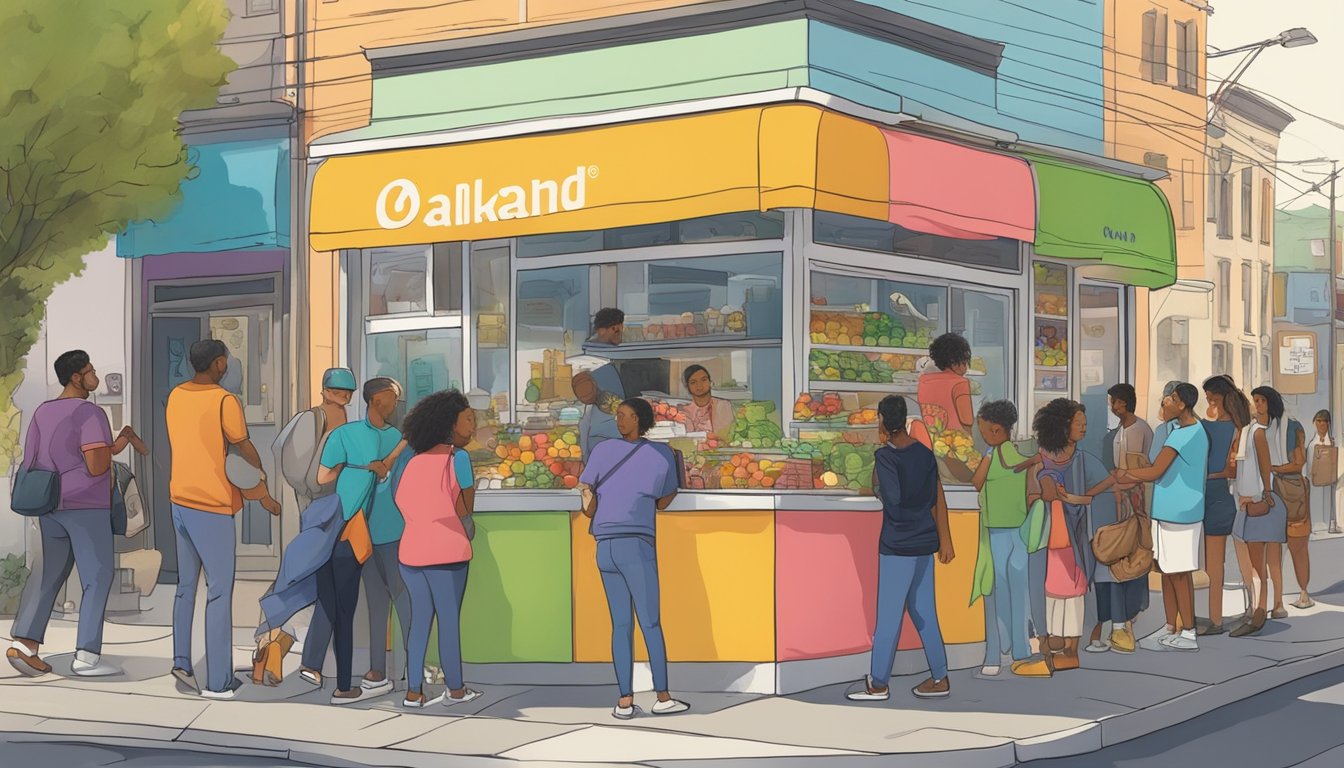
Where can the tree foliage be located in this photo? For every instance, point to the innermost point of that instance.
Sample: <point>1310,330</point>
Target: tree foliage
<point>89,103</point>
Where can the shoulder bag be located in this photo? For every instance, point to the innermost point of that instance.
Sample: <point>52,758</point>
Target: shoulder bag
<point>1324,465</point>
<point>1292,489</point>
<point>36,491</point>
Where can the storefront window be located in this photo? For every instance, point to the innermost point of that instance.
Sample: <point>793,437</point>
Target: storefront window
<point>869,338</point>
<point>1050,334</point>
<point>873,235</point>
<point>447,277</point>
<point>728,227</point>
<point>423,361</point>
<point>397,280</point>
<point>490,313</point>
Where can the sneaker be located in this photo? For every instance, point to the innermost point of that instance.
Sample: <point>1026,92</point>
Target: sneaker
<point>1182,641</point>
<point>869,693</point>
<point>312,677</point>
<point>341,698</point>
<point>1122,641</point>
<point>626,713</point>
<point>1155,641</point>
<point>932,689</point>
<point>25,660</point>
<point>415,700</point>
<point>88,664</point>
<point>1098,646</point>
<point>670,707</point>
<point>380,683</point>
<point>186,681</point>
<point>469,695</point>
<point>229,691</point>
<point>990,670</point>
<point>1031,668</point>
<point>1279,613</point>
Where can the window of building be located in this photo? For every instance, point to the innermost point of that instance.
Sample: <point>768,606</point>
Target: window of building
<point>1211,194</point>
<point>1266,210</point>
<point>1187,56</point>
<point>1247,365</point>
<point>1225,207</point>
<point>1247,203</point>
<point>424,361</point>
<point>728,227</point>
<point>405,281</point>
<point>885,237</point>
<point>490,307</point>
<point>1224,293</point>
<point>1265,377</point>
<point>1265,320</point>
<point>1155,46</point>
<point>1221,352</point>
<point>261,7</point>
<point>1280,294</point>
<point>1189,183</point>
<point>1247,291</point>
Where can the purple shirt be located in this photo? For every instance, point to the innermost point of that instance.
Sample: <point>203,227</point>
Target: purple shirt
<point>58,435</point>
<point>626,498</point>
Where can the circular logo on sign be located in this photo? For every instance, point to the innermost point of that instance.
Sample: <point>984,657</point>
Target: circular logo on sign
<point>592,171</point>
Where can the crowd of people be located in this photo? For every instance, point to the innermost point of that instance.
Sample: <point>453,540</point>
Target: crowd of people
<point>386,503</point>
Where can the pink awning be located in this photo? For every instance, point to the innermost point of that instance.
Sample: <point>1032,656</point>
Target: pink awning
<point>941,188</point>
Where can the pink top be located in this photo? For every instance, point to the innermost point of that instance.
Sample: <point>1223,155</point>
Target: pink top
<point>712,418</point>
<point>427,497</point>
<point>940,389</point>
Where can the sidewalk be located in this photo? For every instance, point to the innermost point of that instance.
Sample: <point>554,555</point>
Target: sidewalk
<point>987,722</point>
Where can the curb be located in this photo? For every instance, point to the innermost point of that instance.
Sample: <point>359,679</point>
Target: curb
<point>1079,740</point>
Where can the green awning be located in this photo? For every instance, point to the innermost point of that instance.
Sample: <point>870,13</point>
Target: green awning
<point>1122,225</point>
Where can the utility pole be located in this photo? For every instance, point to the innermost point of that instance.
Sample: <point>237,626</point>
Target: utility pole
<point>1334,398</point>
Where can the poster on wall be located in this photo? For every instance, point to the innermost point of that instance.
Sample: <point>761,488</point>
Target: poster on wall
<point>1295,363</point>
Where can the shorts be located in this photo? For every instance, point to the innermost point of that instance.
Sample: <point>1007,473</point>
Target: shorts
<point>1065,616</point>
<point>1178,547</point>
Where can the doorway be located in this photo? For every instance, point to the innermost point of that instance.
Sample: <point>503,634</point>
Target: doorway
<point>242,314</point>
<point>1102,358</point>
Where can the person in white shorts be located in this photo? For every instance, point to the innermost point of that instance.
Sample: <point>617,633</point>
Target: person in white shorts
<point>1179,475</point>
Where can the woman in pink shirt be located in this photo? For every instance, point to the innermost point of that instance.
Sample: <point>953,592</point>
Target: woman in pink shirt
<point>435,549</point>
<point>705,413</point>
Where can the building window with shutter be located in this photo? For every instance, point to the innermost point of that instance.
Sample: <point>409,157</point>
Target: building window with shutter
<point>1211,194</point>
<point>1266,210</point>
<point>1247,365</point>
<point>1187,56</point>
<point>1225,207</point>
<point>1247,203</point>
<point>1264,300</point>
<point>1221,351</point>
<point>1155,46</point>
<point>1188,182</point>
<point>1247,291</point>
<point>1280,294</point>
<point>1224,293</point>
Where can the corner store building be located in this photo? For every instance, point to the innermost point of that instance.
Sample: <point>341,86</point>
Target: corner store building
<point>692,115</point>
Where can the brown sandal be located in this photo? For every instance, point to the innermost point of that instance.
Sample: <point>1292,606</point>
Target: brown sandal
<point>276,650</point>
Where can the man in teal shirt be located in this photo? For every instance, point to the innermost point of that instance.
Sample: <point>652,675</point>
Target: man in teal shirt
<point>350,451</point>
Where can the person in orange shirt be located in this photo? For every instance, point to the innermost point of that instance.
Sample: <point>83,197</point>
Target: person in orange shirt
<point>204,420</point>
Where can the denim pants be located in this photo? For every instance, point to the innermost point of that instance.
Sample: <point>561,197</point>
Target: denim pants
<point>205,541</point>
<point>906,583</point>
<point>629,569</point>
<point>71,537</point>
<point>435,591</point>
<point>1037,564</point>
<point>1006,609</point>
<point>383,588</point>
<point>338,597</point>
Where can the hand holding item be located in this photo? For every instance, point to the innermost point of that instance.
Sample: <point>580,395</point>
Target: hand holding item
<point>271,505</point>
<point>379,468</point>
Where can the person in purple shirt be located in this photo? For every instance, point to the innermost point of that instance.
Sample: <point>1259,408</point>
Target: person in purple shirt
<point>624,484</point>
<point>72,437</point>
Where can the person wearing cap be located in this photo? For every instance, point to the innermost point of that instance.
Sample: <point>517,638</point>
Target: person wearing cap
<point>297,450</point>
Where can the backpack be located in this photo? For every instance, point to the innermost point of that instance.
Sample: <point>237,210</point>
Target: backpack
<point>298,469</point>
<point>128,506</point>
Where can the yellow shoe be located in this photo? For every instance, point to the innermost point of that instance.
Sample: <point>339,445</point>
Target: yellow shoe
<point>1122,641</point>
<point>1031,668</point>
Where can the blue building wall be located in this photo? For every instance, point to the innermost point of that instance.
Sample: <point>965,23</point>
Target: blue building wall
<point>1049,88</point>
<point>237,199</point>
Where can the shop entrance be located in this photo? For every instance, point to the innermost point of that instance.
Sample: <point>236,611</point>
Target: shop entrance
<point>242,314</point>
<point>1102,362</point>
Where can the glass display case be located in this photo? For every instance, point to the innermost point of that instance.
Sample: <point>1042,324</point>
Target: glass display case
<point>1050,323</point>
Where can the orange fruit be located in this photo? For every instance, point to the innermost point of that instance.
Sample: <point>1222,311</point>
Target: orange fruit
<point>515,453</point>
<point>527,457</point>
<point>768,482</point>
<point>557,468</point>
<point>541,439</point>
<point>502,452</point>
<point>571,481</point>
<point>525,442</point>
<point>504,471</point>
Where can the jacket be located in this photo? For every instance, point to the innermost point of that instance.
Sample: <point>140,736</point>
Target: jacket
<point>295,586</point>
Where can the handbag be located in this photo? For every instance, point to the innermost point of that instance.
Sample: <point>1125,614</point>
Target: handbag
<point>1139,561</point>
<point>1292,490</point>
<point>35,491</point>
<point>1324,465</point>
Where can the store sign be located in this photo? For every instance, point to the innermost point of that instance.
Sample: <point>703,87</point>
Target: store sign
<point>1119,234</point>
<point>400,202</point>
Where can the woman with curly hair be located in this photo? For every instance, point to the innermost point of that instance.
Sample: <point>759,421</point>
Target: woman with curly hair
<point>946,391</point>
<point>1067,480</point>
<point>624,484</point>
<point>435,548</point>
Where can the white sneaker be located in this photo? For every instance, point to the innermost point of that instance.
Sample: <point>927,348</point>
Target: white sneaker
<point>470,695</point>
<point>1154,642</point>
<point>1183,641</point>
<point>1098,646</point>
<point>991,670</point>
<point>422,702</point>
<point>626,713</point>
<point>92,665</point>
<point>373,686</point>
<point>866,693</point>
<point>228,693</point>
<point>670,707</point>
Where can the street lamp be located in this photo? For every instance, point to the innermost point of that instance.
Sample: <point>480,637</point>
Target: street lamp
<point>1292,38</point>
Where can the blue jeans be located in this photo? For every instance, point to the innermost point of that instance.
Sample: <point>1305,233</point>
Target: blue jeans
<point>435,590</point>
<point>205,540</point>
<point>1009,605</point>
<point>906,583</point>
<point>70,537</point>
<point>629,568</point>
<point>1037,563</point>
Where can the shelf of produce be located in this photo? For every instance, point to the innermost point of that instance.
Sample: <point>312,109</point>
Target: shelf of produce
<point>855,386</point>
<point>882,350</point>
<point>1056,318</point>
<point>1052,368</point>
<point>637,349</point>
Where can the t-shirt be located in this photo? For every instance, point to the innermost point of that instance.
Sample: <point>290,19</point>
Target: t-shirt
<point>466,478</point>
<point>58,435</point>
<point>434,535</point>
<point>907,484</point>
<point>357,444</point>
<point>626,499</point>
<point>1159,439</point>
<point>1178,496</point>
<point>203,420</point>
<point>1003,500</point>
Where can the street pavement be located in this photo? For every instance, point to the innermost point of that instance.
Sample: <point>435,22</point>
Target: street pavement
<point>989,722</point>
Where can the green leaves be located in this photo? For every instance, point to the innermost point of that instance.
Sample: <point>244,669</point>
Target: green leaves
<point>89,136</point>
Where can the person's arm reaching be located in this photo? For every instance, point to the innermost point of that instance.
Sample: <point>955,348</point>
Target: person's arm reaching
<point>982,471</point>
<point>1153,473</point>
<point>235,432</point>
<point>95,438</point>
<point>127,437</point>
<point>946,552</point>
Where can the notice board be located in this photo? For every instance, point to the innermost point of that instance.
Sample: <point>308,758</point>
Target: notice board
<point>1295,360</point>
